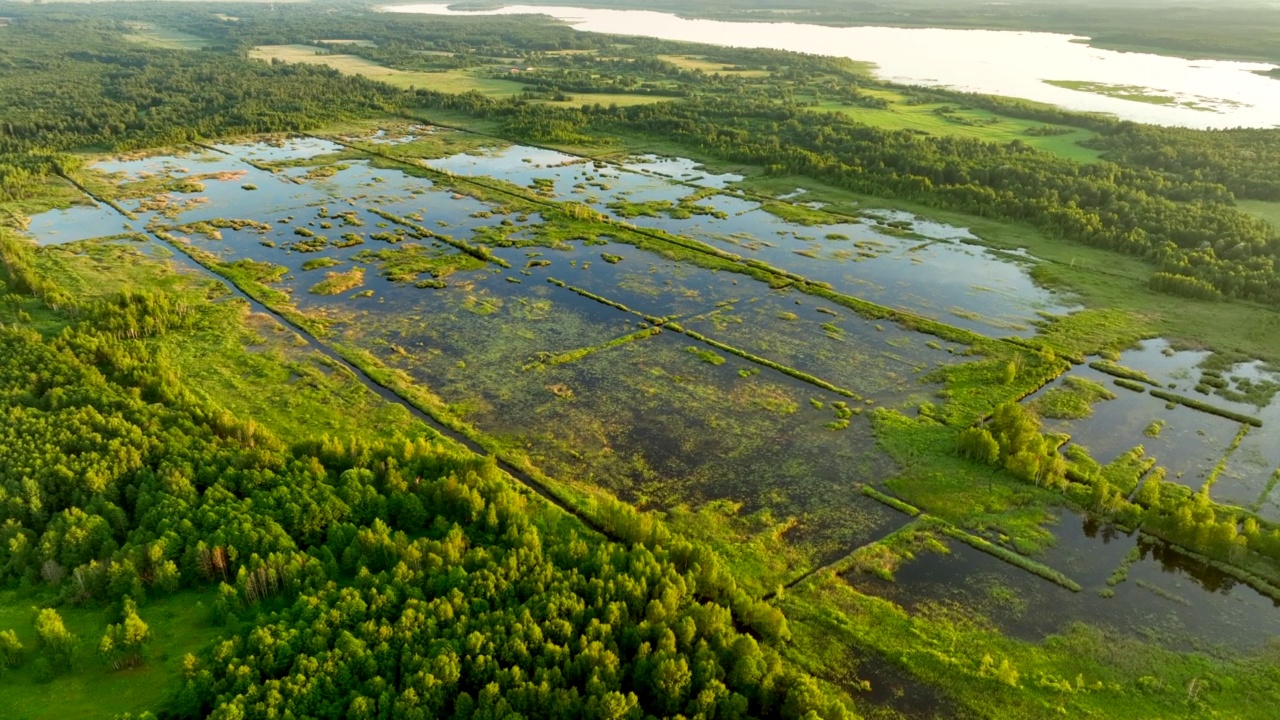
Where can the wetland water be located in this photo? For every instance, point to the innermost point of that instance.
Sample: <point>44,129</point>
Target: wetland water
<point>1188,93</point>
<point>665,420</point>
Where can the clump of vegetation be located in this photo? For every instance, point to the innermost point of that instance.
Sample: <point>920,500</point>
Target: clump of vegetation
<point>893,502</point>
<point>1206,407</point>
<point>1130,385</point>
<point>1153,430</point>
<point>883,557</point>
<point>319,263</point>
<point>1074,400</point>
<point>1119,574</point>
<point>336,283</point>
<point>1123,373</point>
<point>705,355</point>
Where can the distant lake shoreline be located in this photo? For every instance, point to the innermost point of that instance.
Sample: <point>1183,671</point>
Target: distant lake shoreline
<point>1044,67</point>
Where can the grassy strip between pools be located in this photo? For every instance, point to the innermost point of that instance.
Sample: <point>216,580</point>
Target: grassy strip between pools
<point>676,327</point>
<point>1130,385</point>
<point>1011,557</point>
<point>479,252</point>
<point>1022,561</point>
<point>797,374</point>
<point>1266,491</point>
<point>1206,408</point>
<point>1221,467</point>
<point>574,355</point>
<point>1252,580</point>
<point>606,301</point>
<point>883,557</point>
<point>1120,371</point>
<point>891,501</point>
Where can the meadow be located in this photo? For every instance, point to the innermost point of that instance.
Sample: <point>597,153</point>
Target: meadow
<point>943,118</point>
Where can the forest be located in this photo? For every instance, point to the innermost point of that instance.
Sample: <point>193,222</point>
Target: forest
<point>389,569</point>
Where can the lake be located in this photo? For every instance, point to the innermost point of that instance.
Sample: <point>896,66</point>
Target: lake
<point>1174,91</point>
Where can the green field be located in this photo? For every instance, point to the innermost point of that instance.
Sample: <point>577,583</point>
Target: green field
<point>697,62</point>
<point>453,81</point>
<point>1269,211</point>
<point>163,37</point>
<point>964,122</point>
<point>449,81</point>
<point>179,623</point>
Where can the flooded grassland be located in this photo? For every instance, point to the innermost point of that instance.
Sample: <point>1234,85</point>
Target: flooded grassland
<point>760,371</point>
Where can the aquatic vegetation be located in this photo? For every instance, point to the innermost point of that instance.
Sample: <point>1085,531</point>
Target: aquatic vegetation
<point>320,262</point>
<point>1206,407</point>
<point>893,502</point>
<point>1011,557</point>
<point>336,283</point>
<point>1122,372</point>
<point>705,355</point>
<point>883,557</point>
<point>1226,457</point>
<point>1074,400</point>
<point>406,262</point>
<point>547,359</point>
<point>1130,385</point>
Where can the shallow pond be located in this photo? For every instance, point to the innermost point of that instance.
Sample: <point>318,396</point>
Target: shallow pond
<point>666,420</point>
<point>921,266</point>
<point>1162,597</point>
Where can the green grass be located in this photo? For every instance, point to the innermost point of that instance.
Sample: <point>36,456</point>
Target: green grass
<point>451,81</point>
<point>966,122</point>
<point>578,99</point>
<point>245,362</point>
<point>973,497</point>
<point>1079,672</point>
<point>883,557</point>
<point>179,625</point>
<point>1074,400</point>
<point>336,283</point>
<point>700,62</point>
<point>1207,408</point>
<point>1269,211</point>
<point>163,37</point>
